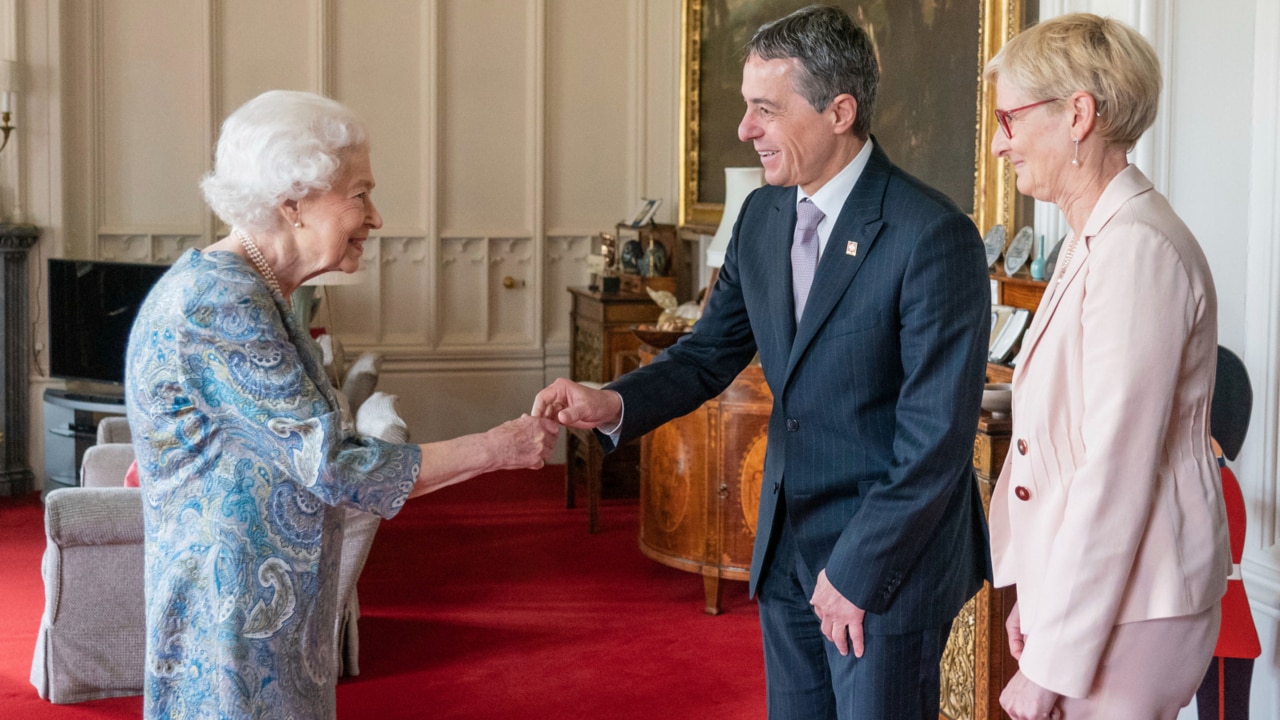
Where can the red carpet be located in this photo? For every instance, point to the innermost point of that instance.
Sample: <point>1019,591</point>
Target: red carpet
<point>484,600</point>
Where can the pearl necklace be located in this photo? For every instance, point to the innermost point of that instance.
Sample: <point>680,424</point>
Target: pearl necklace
<point>259,262</point>
<point>1066,260</point>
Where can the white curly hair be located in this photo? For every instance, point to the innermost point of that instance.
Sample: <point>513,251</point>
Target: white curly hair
<point>279,146</point>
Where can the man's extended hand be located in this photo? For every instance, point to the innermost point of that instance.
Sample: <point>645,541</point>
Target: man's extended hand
<point>578,406</point>
<point>841,619</point>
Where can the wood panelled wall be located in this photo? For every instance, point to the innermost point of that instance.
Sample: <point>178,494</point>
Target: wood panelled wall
<point>505,134</point>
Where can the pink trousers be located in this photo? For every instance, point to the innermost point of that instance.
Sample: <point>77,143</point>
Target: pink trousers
<point>1150,669</point>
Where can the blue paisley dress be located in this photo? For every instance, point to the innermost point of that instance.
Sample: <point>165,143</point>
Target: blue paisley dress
<point>245,461</point>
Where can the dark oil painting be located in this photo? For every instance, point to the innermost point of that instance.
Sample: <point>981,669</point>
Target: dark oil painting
<point>925,111</point>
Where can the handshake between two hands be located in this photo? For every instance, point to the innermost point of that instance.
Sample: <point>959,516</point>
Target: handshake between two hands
<point>528,441</point>
<point>578,406</point>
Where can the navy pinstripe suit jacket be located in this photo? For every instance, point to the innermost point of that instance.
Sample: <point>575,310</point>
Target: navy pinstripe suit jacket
<point>875,394</point>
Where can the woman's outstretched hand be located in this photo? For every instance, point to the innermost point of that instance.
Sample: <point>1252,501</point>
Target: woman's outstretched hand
<point>524,443</point>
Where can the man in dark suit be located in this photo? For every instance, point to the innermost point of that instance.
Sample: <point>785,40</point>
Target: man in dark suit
<point>871,534</point>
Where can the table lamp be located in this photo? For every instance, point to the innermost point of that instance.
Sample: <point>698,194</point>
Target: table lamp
<point>304,297</point>
<point>738,184</point>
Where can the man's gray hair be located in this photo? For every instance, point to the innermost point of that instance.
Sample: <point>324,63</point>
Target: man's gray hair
<point>835,57</point>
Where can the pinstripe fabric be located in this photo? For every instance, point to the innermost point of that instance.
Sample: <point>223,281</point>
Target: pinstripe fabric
<point>876,392</point>
<point>897,677</point>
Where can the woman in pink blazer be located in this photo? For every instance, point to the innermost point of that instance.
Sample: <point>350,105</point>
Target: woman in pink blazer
<point>1108,515</point>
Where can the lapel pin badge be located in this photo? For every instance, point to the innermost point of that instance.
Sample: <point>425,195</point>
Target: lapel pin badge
<point>851,249</point>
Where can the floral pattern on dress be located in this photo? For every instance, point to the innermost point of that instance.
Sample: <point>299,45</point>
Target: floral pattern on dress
<point>245,462</point>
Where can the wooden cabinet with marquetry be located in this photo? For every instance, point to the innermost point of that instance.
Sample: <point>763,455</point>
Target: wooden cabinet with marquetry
<point>700,484</point>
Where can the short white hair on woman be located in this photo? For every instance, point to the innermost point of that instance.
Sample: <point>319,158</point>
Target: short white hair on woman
<point>279,146</point>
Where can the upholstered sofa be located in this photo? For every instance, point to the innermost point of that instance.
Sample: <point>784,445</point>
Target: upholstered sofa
<point>91,641</point>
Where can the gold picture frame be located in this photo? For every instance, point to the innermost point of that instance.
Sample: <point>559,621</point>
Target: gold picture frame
<point>993,194</point>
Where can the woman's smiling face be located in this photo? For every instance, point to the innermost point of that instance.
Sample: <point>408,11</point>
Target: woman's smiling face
<point>337,221</point>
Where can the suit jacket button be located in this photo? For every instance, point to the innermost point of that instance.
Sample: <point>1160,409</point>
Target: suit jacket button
<point>1022,446</point>
<point>793,424</point>
<point>775,488</point>
<point>1022,493</point>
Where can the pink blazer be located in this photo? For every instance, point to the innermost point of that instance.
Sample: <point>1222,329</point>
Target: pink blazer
<point>1109,508</point>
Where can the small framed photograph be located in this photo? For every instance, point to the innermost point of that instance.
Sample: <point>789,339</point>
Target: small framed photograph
<point>608,250</point>
<point>645,214</point>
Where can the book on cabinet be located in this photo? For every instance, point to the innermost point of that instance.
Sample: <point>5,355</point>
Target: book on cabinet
<point>1018,292</point>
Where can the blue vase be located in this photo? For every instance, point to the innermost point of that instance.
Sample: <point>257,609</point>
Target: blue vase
<point>1037,265</point>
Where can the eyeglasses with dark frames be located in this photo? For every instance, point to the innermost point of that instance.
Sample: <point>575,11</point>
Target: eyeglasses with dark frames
<point>1004,117</point>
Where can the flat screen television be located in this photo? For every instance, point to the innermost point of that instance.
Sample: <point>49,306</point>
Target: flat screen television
<point>92,305</point>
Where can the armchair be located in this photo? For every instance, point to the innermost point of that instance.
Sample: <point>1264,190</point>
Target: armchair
<point>114,429</point>
<point>91,642</point>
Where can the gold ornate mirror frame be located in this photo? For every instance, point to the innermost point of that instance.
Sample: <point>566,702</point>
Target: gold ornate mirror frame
<point>993,188</point>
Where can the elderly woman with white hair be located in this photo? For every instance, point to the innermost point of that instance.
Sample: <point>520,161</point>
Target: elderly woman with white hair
<point>1108,515</point>
<point>243,452</point>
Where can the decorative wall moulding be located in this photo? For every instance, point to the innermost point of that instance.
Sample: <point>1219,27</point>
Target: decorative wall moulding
<point>469,249</point>
<point>575,248</point>
<point>163,249</point>
<point>396,249</point>
<point>518,250</point>
<point>167,249</point>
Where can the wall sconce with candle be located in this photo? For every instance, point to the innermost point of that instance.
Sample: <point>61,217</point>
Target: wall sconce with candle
<point>8,87</point>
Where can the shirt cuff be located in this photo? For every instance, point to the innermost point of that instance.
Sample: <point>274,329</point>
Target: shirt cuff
<point>615,432</point>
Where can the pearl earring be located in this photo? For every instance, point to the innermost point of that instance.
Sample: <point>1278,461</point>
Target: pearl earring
<point>1076,159</point>
<point>297,223</point>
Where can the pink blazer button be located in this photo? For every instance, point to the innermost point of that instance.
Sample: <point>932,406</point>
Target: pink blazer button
<point>1022,493</point>
<point>1022,446</point>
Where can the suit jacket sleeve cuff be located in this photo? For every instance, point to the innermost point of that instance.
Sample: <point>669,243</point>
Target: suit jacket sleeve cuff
<point>1065,668</point>
<point>615,432</point>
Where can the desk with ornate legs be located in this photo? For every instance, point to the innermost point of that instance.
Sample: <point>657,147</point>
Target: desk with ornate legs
<point>602,347</point>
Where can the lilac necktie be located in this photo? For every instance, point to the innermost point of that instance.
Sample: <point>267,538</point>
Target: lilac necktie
<point>804,252</point>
